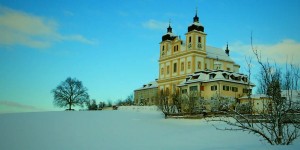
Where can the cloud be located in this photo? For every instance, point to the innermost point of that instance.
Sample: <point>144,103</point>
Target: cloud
<point>19,106</point>
<point>155,25</point>
<point>20,28</point>
<point>281,52</point>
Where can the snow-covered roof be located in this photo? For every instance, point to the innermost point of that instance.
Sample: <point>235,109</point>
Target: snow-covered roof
<point>171,34</point>
<point>294,95</point>
<point>216,75</point>
<point>196,23</point>
<point>217,53</point>
<point>150,85</point>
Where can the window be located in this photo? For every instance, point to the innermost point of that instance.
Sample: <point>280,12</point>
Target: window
<point>162,71</point>
<point>211,76</point>
<point>189,65</point>
<point>245,90</point>
<point>193,88</point>
<point>195,76</point>
<point>175,67</point>
<point>228,69</point>
<point>199,64</point>
<point>182,66</point>
<point>226,76</point>
<point>205,66</point>
<point>163,48</point>
<point>175,48</point>
<point>190,39</point>
<point>199,39</point>
<point>234,89</point>
<point>168,68</point>
<point>214,88</point>
<point>225,88</point>
<point>201,88</point>
<point>184,91</point>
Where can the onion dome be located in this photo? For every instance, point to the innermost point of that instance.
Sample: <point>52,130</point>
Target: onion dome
<point>169,35</point>
<point>196,25</point>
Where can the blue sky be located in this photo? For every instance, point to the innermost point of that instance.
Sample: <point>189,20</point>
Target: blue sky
<point>112,46</point>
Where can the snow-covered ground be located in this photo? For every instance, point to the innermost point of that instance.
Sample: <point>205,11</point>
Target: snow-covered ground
<point>129,128</point>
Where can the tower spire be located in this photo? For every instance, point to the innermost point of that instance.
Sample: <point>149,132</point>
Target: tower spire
<point>169,30</point>
<point>196,18</point>
<point>227,50</point>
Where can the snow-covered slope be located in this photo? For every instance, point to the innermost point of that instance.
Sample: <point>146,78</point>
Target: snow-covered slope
<point>124,129</point>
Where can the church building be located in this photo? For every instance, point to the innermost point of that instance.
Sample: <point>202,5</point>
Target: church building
<point>193,65</point>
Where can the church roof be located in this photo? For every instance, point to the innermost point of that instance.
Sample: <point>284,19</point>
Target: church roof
<point>216,75</point>
<point>217,53</point>
<point>150,85</point>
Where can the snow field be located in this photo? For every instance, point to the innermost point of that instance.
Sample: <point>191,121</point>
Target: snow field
<point>129,128</point>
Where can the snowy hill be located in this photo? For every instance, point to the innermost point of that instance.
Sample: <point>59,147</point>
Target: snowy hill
<point>130,128</point>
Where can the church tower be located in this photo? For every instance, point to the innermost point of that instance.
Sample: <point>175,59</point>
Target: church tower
<point>196,37</point>
<point>179,58</point>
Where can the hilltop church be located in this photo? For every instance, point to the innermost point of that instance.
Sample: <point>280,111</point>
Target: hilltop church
<point>192,65</point>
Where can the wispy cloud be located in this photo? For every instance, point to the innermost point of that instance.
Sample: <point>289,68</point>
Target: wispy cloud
<point>281,52</point>
<point>155,25</point>
<point>19,106</point>
<point>21,28</point>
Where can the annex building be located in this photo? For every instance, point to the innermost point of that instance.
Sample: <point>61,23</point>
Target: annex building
<point>191,65</point>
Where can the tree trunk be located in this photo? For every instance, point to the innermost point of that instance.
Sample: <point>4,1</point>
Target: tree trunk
<point>70,106</point>
<point>280,132</point>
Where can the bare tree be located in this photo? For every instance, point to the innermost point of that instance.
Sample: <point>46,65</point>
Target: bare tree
<point>92,105</point>
<point>109,103</point>
<point>69,93</point>
<point>164,102</point>
<point>177,101</point>
<point>189,102</point>
<point>280,124</point>
<point>101,105</point>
